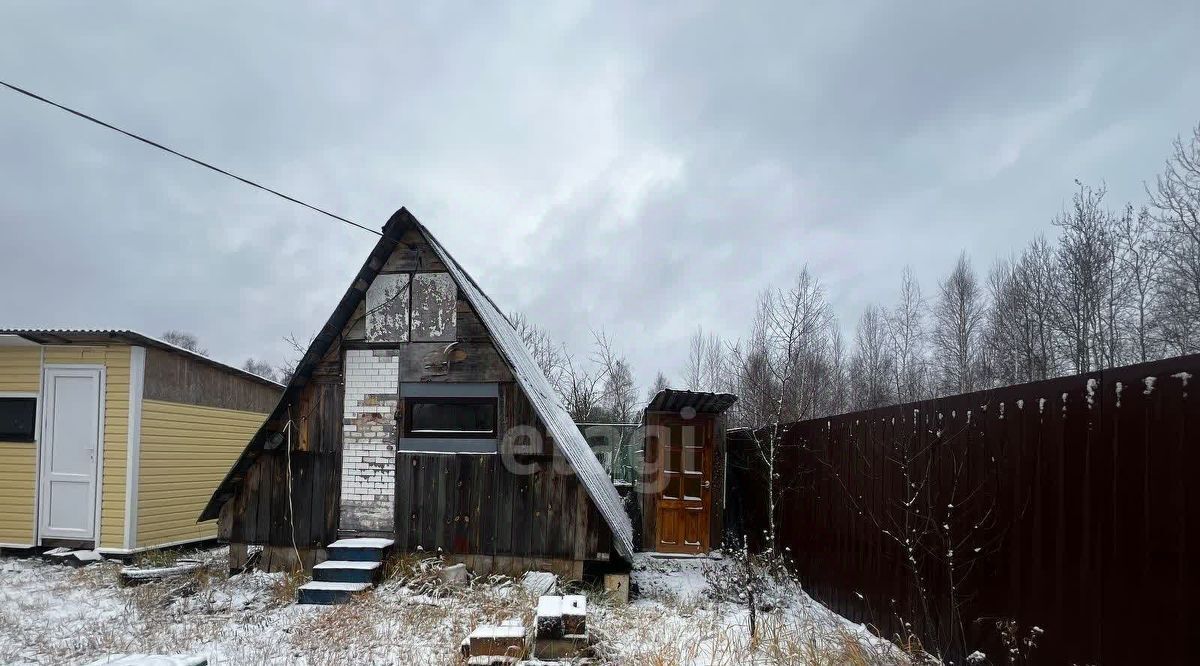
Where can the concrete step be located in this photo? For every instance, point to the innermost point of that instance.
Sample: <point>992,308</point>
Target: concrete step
<point>328,593</point>
<point>347,571</point>
<point>366,549</point>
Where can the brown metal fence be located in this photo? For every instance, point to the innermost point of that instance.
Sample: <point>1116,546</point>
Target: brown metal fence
<point>1068,505</point>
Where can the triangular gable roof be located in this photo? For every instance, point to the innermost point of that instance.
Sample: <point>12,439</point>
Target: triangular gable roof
<point>508,343</point>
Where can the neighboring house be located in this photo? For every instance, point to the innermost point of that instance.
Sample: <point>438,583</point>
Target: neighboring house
<point>112,440</point>
<point>418,415</point>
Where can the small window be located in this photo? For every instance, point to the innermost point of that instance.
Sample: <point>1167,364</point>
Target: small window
<point>465,418</point>
<point>18,417</point>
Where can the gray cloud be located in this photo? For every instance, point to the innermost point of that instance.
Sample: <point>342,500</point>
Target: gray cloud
<point>595,165</point>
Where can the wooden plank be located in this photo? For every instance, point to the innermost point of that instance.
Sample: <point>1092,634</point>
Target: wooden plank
<point>458,521</point>
<point>522,515</point>
<point>504,490</point>
<point>405,480</point>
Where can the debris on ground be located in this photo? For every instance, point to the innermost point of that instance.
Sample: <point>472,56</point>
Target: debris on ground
<point>73,557</point>
<point>537,583</point>
<point>136,575</point>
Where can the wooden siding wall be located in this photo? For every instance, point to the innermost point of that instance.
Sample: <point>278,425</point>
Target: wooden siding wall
<point>20,372</point>
<point>464,504</point>
<point>185,380</point>
<point>260,512</point>
<point>115,358</point>
<point>474,504</point>
<point>185,452</point>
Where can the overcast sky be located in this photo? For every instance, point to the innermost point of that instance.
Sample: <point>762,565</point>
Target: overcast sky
<point>594,165</point>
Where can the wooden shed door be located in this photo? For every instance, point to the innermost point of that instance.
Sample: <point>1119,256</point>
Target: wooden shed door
<point>685,498</point>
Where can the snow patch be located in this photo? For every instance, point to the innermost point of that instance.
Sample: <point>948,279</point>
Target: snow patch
<point>1149,382</point>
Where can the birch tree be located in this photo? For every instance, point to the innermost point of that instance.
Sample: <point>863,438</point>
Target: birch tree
<point>774,367</point>
<point>871,367</point>
<point>906,341</point>
<point>957,327</point>
<point>1175,206</point>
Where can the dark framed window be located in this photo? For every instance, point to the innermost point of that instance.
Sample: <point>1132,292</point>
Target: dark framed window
<point>18,419</point>
<point>450,417</point>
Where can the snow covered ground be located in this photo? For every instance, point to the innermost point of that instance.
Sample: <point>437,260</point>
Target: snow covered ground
<point>53,614</point>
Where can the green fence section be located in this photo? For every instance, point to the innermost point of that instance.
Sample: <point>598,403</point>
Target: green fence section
<point>618,446</point>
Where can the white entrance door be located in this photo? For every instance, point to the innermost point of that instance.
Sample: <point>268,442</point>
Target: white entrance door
<point>70,444</point>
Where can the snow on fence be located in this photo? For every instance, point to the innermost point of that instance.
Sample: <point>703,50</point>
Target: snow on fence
<point>1068,506</point>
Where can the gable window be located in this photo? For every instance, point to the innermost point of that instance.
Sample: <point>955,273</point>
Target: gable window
<point>453,417</point>
<point>449,417</point>
<point>18,419</point>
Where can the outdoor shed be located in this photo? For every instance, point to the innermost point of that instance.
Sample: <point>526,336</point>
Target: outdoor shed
<point>418,416</point>
<point>113,440</point>
<point>682,488</point>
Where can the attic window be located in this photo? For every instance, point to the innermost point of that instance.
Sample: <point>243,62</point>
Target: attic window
<point>18,419</point>
<point>450,417</point>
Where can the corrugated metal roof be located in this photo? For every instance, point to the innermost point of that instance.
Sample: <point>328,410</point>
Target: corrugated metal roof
<point>546,403</point>
<point>67,336</point>
<point>676,400</point>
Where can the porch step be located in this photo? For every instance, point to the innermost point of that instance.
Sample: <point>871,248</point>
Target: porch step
<point>354,565</point>
<point>359,550</point>
<point>347,571</point>
<point>326,593</point>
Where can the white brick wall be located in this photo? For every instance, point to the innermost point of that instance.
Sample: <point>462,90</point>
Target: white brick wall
<point>368,439</point>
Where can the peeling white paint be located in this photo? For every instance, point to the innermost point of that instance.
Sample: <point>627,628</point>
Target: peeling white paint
<point>434,307</point>
<point>387,308</point>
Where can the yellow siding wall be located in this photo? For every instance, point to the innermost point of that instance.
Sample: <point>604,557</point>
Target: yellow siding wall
<point>186,451</point>
<point>116,430</point>
<point>20,372</point>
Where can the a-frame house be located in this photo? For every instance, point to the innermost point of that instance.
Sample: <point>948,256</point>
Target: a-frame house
<point>418,415</point>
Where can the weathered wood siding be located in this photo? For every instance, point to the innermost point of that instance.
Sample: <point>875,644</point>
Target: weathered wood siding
<point>470,506</point>
<point>187,381</point>
<point>260,512</point>
<point>115,358</point>
<point>20,372</point>
<point>185,451</point>
<point>526,507</point>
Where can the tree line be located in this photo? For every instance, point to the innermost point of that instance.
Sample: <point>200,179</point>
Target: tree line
<point>1118,283</point>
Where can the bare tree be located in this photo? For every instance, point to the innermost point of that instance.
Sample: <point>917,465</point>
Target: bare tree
<point>619,392</point>
<point>185,340</point>
<point>1175,205</point>
<point>581,390</point>
<point>660,382</point>
<point>549,356</point>
<point>837,397</point>
<point>1140,255</point>
<point>1090,293</point>
<point>260,368</point>
<point>871,366</point>
<point>906,341</point>
<point>705,369</point>
<point>299,349</point>
<point>777,368</point>
<point>958,324</point>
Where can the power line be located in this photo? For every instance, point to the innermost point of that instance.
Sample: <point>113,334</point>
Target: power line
<point>189,158</point>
